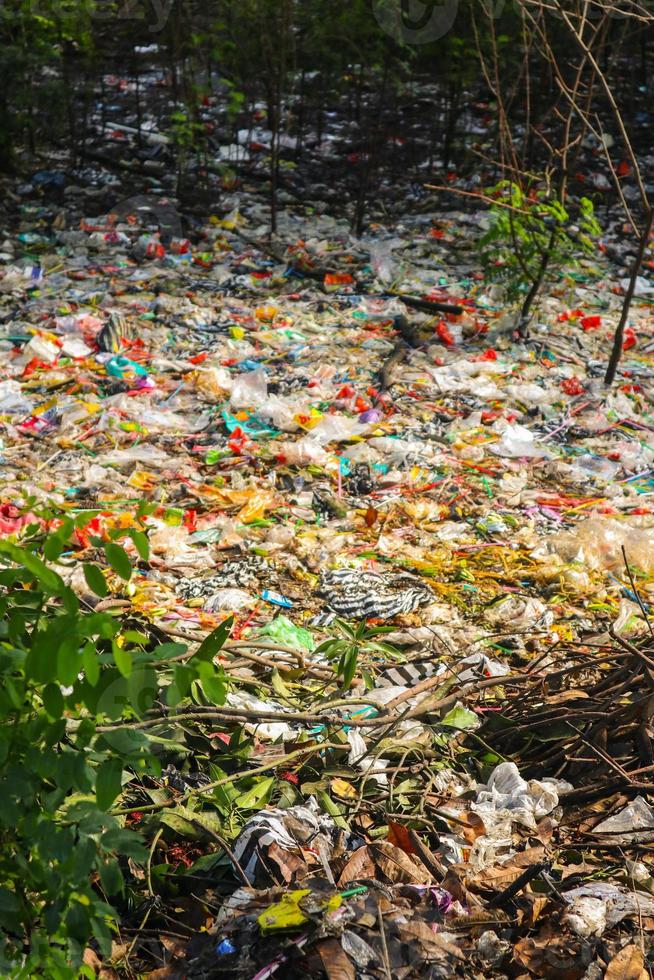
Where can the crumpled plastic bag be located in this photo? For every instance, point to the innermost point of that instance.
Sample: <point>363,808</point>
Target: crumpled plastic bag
<point>13,401</point>
<point>637,815</point>
<point>12,520</point>
<point>384,266</point>
<point>518,442</point>
<point>229,600</point>
<point>303,452</point>
<point>41,348</point>
<point>529,394</point>
<point>337,428</point>
<point>526,802</point>
<point>587,916</point>
<point>357,756</point>
<point>143,455</point>
<point>643,286</point>
<point>491,949</point>
<point>629,622</point>
<point>172,543</point>
<point>287,913</point>
<point>249,390</point>
<point>273,730</point>
<point>599,905</point>
<point>479,665</point>
<point>520,613</point>
<point>598,541</point>
<point>282,630</point>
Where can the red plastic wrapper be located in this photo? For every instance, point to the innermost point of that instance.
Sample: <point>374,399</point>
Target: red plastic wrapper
<point>444,334</point>
<point>591,322</point>
<point>572,386</point>
<point>630,340</point>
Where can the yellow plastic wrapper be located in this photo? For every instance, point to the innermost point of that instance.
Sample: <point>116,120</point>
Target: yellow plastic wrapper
<point>253,503</point>
<point>266,313</point>
<point>287,914</point>
<point>308,421</point>
<point>232,221</point>
<point>256,508</point>
<point>142,480</point>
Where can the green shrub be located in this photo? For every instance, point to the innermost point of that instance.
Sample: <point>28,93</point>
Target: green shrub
<point>66,671</point>
<point>532,236</point>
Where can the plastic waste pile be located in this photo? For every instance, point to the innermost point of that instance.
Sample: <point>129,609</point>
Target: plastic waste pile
<point>471,512</point>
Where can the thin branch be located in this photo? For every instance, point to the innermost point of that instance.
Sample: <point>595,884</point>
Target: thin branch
<point>496,202</point>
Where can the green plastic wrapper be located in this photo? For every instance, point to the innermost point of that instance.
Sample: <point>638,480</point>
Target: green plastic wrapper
<point>283,631</point>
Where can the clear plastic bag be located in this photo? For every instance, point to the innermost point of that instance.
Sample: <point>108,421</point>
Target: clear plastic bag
<point>518,442</point>
<point>13,401</point>
<point>250,390</point>
<point>598,542</point>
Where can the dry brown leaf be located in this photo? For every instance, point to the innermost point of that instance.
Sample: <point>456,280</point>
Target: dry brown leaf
<point>92,959</point>
<point>360,865</point>
<point>500,876</point>
<point>546,828</point>
<point>629,964</point>
<point>478,919</point>
<point>473,826</point>
<point>289,863</point>
<point>415,929</point>
<point>572,695</point>
<point>118,951</point>
<point>552,958</point>
<point>396,866</point>
<point>456,884</point>
<point>107,973</point>
<point>136,870</point>
<point>176,948</point>
<point>371,516</point>
<point>336,963</point>
<point>416,932</point>
<point>532,905</point>
<point>398,835</point>
<point>194,914</point>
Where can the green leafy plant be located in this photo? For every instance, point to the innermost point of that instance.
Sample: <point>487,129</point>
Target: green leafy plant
<point>532,235</point>
<point>350,644</point>
<point>73,683</point>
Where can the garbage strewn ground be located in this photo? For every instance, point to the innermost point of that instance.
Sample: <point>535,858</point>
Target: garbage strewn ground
<point>435,563</point>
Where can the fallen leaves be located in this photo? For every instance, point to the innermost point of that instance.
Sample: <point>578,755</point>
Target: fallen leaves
<point>337,965</point>
<point>396,866</point>
<point>385,859</point>
<point>553,956</point>
<point>399,836</point>
<point>499,876</point>
<point>628,964</point>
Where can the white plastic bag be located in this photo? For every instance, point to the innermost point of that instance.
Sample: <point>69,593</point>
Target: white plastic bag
<point>250,389</point>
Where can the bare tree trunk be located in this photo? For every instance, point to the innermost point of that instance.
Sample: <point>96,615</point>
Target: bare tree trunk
<point>618,338</point>
<point>523,323</point>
